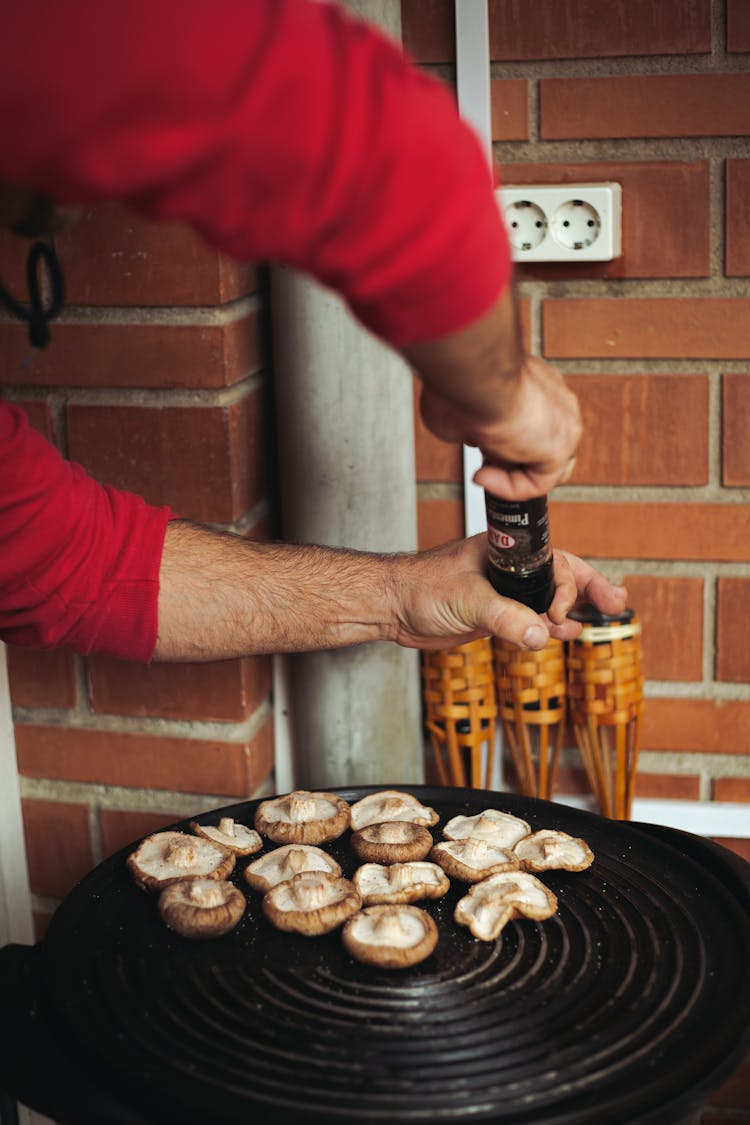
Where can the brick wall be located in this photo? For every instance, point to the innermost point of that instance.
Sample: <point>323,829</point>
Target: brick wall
<point>153,382</point>
<point>656,344</point>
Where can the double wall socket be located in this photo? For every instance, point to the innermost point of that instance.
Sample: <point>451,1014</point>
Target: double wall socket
<point>563,222</point>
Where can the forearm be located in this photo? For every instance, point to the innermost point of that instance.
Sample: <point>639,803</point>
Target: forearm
<point>477,370</point>
<point>222,596</point>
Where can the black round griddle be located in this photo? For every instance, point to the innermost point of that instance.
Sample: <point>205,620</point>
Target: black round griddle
<point>630,1005</point>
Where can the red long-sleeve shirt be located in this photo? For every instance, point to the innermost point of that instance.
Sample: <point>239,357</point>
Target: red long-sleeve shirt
<point>283,130</point>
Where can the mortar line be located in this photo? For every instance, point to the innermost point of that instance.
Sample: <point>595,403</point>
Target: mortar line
<point>195,730</point>
<point>81,681</point>
<point>156,397</point>
<point>568,286</point>
<point>712,692</point>
<point>610,66</point>
<point>714,431</point>
<point>719,56</point>
<point>716,213</point>
<point>534,109</point>
<point>164,316</point>
<point>626,150</point>
<point>120,798</point>
<point>709,631</point>
<point>95,834</point>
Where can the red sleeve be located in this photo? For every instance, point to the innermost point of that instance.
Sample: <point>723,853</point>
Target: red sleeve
<point>282,129</point>
<point>79,562</point>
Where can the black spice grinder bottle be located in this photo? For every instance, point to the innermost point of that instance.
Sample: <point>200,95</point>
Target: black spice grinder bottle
<point>520,564</point>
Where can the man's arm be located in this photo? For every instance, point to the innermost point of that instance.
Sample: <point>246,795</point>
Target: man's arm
<point>479,388</point>
<point>222,596</point>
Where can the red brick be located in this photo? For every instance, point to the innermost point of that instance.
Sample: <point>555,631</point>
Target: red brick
<point>652,531</point>
<point>544,29</point>
<point>731,789</point>
<point>732,615</point>
<point>112,256</point>
<point>668,786</point>
<point>736,1091</point>
<point>439,521</point>
<point>120,828</point>
<point>58,845</point>
<point>206,462</point>
<point>136,355</point>
<point>671,614</point>
<point>735,431</point>
<point>509,106</point>
<point>39,414</point>
<point>642,429</point>
<point>41,678</point>
<point>684,787</point>
<point>738,217</point>
<point>656,105</point>
<point>428,30</point>
<point>225,691</point>
<point>696,726</point>
<point>185,765</point>
<point>635,328</point>
<point>661,202</point>
<point>738,25</point>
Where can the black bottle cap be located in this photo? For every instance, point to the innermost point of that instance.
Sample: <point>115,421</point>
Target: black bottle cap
<point>589,615</point>
<point>535,589</point>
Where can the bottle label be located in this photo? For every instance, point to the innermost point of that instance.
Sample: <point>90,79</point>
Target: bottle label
<point>518,534</point>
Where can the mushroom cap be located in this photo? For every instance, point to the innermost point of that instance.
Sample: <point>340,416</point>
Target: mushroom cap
<point>237,837</point>
<point>550,850</point>
<point>284,863</point>
<point>495,827</point>
<point>392,841</point>
<point>388,805</point>
<point>400,882</point>
<point>490,904</point>
<point>201,908</point>
<point>302,817</point>
<point>313,902</point>
<point>168,857</point>
<point>472,859</point>
<point>391,937</point>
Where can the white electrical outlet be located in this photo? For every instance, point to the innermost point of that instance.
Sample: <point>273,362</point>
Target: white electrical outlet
<point>563,222</point>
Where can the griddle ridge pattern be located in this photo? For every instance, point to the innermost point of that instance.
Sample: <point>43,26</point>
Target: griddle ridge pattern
<point>555,1021</point>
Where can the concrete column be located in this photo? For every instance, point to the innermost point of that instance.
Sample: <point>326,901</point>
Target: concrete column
<point>346,452</point>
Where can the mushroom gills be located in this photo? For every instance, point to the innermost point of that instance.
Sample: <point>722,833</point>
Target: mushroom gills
<point>391,805</point>
<point>496,827</point>
<point>284,863</point>
<point>400,882</point>
<point>549,850</point>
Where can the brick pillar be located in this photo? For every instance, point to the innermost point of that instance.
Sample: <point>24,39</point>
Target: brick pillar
<point>153,382</point>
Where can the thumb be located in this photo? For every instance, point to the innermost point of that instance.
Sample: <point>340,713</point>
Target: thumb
<point>511,621</point>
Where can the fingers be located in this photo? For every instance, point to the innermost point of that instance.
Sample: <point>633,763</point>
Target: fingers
<point>519,482</point>
<point>576,582</point>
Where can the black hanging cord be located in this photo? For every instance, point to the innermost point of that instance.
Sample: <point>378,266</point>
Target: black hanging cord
<point>36,313</point>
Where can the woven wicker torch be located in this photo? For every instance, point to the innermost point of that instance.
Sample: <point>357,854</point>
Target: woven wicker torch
<point>531,697</point>
<point>605,696</point>
<point>461,712</point>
